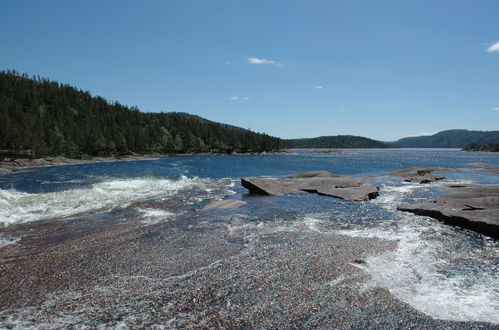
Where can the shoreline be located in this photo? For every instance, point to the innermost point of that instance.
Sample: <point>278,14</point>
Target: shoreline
<point>8,165</point>
<point>14,165</point>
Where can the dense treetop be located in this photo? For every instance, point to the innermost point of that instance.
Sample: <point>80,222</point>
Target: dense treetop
<point>340,141</point>
<point>493,147</point>
<point>41,117</point>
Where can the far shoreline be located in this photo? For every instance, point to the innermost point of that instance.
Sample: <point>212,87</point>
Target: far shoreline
<point>16,165</point>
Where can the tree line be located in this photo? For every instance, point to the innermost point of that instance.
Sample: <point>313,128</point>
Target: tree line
<point>339,141</point>
<point>40,117</point>
<point>492,147</point>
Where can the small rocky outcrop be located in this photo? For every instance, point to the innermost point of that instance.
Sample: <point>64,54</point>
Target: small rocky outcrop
<point>420,174</point>
<point>467,206</point>
<point>319,182</point>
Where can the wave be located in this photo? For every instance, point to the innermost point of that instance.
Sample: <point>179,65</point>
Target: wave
<point>21,207</point>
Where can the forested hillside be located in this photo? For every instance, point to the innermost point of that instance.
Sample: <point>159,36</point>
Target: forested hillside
<point>456,138</point>
<point>40,117</point>
<point>339,141</point>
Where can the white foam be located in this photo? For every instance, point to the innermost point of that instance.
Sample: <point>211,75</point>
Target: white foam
<point>422,270</point>
<point>20,207</point>
<point>420,273</point>
<point>151,216</point>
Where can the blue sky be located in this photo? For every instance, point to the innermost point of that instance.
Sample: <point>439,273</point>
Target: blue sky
<point>381,69</point>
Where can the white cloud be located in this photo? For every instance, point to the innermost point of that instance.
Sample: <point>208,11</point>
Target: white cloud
<point>227,62</point>
<point>256,60</point>
<point>494,47</point>
<point>237,98</point>
<point>497,109</point>
<point>319,87</point>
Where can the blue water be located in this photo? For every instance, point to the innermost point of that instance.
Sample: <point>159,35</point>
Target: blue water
<point>352,162</point>
<point>446,272</point>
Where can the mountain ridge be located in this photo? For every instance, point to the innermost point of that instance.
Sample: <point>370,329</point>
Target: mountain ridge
<point>453,138</point>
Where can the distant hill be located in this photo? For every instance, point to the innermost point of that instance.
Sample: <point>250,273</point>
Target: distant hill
<point>456,138</point>
<point>339,141</point>
<point>39,117</point>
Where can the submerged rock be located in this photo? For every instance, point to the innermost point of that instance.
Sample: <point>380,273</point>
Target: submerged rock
<point>226,204</point>
<point>467,206</point>
<point>320,182</point>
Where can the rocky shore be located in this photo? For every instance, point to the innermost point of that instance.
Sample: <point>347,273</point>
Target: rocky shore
<point>196,272</point>
<point>9,165</point>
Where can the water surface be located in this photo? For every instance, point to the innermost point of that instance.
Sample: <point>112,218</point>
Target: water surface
<point>56,215</point>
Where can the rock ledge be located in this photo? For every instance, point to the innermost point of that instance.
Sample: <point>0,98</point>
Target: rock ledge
<point>468,206</point>
<point>319,182</point>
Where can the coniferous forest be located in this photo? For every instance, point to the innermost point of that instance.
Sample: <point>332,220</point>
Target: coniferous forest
<point>39,117</point>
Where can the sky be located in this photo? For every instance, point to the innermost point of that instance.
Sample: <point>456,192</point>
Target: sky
<point>292,69</point>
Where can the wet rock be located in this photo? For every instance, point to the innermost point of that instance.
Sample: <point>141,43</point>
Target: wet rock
<point>267,187</point>
<point>225,204</point>
<point>467,206</point>
<point>321,182</point>
<point>313,174</point>
<point>421,174</point>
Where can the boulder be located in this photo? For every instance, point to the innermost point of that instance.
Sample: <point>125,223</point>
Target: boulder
<point>467,206</point>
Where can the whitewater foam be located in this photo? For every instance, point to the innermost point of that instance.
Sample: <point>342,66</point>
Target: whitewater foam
<point>433,268</point>
<point>150,216</point>
<point>21,207</point>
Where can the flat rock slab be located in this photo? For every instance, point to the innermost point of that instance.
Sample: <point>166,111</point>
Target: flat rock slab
<point>421,174</point>
<point>467,206</point>
<point>321,182</point>
<point>226,204</point>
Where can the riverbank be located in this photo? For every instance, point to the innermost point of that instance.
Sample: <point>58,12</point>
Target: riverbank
<point>222,271</point>
<point>11,165</point>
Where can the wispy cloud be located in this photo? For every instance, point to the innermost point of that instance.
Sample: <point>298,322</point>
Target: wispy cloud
<point>259,61</point>
<point>494,47</point>
<point>496,109</point>
<point>228,62</point>
<point>237,98</point>
<point>319,87</point>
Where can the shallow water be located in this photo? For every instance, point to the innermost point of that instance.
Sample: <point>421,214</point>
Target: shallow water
<point>138,235</point>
